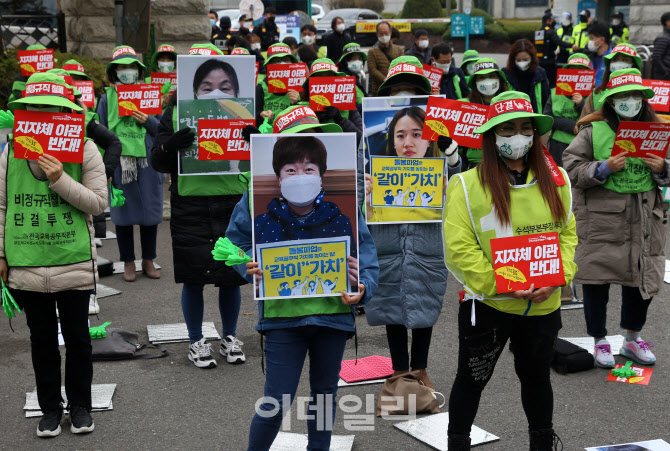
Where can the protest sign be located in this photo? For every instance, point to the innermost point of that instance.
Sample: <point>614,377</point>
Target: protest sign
<point>339,92</point>
<point>520,261</point>
<point>434,75</point>
<point>641,138</point>
<point>641,377</point>
<point>575,81</point>
<point>457,120</point>
<point>282,77</point>
<point>145,98</point>
<point>32,61</point>
<point>661,100</point>
<point>407,182</point>
<point>87,90</point>
<point>58,134</point>
<point>160,78</point>
<point>221,139</point>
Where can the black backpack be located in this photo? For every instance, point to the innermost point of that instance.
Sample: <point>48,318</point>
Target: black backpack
<point>570,358</point>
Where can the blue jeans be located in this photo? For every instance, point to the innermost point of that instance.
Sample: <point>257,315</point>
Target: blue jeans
<point>193,304</point>
<point>285,352</point>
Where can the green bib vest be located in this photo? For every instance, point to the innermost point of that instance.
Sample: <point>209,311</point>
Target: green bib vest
<point>359,95</point>
<point>274,102</point>
<point>598,100</point>
<point>562,106</point>
<point>538,98</point>
<point>635,177</point>
<point>41,228</point>
<point>130,132</point>
<point>457,87</point>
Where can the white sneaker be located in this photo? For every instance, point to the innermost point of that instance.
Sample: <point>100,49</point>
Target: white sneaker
<point>98,242</point>
<point>231,349</point>
<point>603,354</point>
<point>93,306</point>
<point>639,351</point>
<point>200,353</point>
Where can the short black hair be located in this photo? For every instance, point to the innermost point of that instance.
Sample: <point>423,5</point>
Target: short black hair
<point>212,65</point>
<point>441,49</point>
<point>379,24</point>
<point>665,18</point>
<point>420,32</point>
<point>213,11</point>
<point>290,41</point>
<point>297,149</point>
<point>309,27</point>
<point>270,10</point>
<point>601,30</point>
<point>395,33</point>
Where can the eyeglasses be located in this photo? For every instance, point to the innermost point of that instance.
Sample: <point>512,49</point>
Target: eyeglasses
<point>635,95</point>
<point>507,130</point>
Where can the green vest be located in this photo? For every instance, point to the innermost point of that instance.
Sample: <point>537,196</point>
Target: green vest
<point>562,106</point>
<point>580,35</point>
<point>568,38</point>
<point>457,87</point>
<point>130,132</point>
<point>41,228</point>
<point>598,99</point>
<point>635,177</point>
<point>538,98</point>
<point>274,102</point>
<point>359,95</point>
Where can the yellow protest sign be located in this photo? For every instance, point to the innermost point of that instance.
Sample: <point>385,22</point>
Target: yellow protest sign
<point>407,182</point>
<point>371,27</point>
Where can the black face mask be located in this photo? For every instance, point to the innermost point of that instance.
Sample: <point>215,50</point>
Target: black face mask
<point>271,20</point>
<point>583,19</point>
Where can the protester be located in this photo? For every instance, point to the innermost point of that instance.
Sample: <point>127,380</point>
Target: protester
<point>621,216</point>
<point>564,32</point>
<point>524,74</point>
<point>619,30</point>
<point>661,53</point>
<point>308,39</point>
<point>420,49</point>
<point>254,45</point>
<point>453,83</point>
<point>470,57</point>
<point>19,84</point>
<point>598,48</point>
<point>292,43</point>
<point>395,35</point>
<point>214,19</point>
<point>336,40</point>
<point>351,63</point>
<point>380,57</point>
<point>481,206</point>
<point>306,54</point>
<point>60,275</point>
<point>270,105</point>
<point>141,184</point>
<point>268,30</point>
<point>546,42</point>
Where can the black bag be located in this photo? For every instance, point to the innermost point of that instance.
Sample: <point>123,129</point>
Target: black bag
<point>120,344</point>
<point>570,358</point>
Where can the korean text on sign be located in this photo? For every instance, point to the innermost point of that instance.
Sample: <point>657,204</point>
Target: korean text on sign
<point>58,134</point>
<point>434,75</point>
<point>575,81</point>
<point>282,77</point>
<point>457,120</point>
<point>221,139</point>
<point>304,268</point>
<point>661,100</point>
<point>339,92</point>
<point>160,78</point>
<point>87,90</point>
<point>641,138</point>
<point>407,182</point>
<point>32,61</point>
<point>144,98</point>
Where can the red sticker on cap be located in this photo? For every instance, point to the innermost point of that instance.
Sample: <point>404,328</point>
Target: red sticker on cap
<point>406,68</point>
<point>74,67</point>
<point>122,50</point>
<point>275,49</point>
<point>621,80</point>
<point>43,89</point>
<point>625,49</point>
<point>201,51</point>
<point>298,114</point>
<point>323,66</point>
<point>510,106</point>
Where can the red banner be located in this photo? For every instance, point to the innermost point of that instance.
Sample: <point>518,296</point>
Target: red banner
<point>339,92</point>
<point>282,77</point>
<point>520,261</point>
<point>160,78</point>
<point>641,377</point>
<point>458,120</point>
<point>58,134</point>
<point>144,98</point>
<point>641,138</point>
<point>433,74</point>
<point>661,100</point>
<point>87,90</point>
<point>221,139</point>
<point>575,81</point>
<point>32,61</point>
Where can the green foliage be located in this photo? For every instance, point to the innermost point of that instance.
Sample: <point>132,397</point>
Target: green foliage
<point>431,28</point>
<point>421,9</point>
<point>453,4</point>
<point>519,29</point>
<point>388,15</point>
<point>375,5</point>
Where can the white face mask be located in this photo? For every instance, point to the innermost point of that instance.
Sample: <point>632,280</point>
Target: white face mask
<point>470,68</point>
<point>523,65</point>
<point>307,39</point>
<point>591,45</point>
<point>616,22</point>
<point>403,94</point>
<point>340,27</point>
<point>166,67</point>
<point>423,44</point>
<point>127,76</point>
<point>619,65</point>
<point>255,46</point>
<point>513,147</point>
<point>384,39</point>
<point>356,66</point>
<point>566,21</point>
<point>301,190</point>
<point>629,107</point>
<point>51,109</point>
<point>216,94</point>
<point>488,87</point>
<point>444,67</point>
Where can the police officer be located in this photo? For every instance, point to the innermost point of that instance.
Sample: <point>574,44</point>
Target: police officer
<point>619,30</point>
<point>580,33</point>
<point>565,33</point>
<point>546,41</point>
<point>269,32</point>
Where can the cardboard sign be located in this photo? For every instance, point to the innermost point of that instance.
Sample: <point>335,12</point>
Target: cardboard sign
<point>339,92</point>
<point>575,81</point>
<point>282,77</point>
<point>58,134</point>
<point>256,76</point>
<point>144,98</point>
<point>458,120</point>
<point>32,61</point>
<point>434,75</point>
<point>520,261</point>
<point>641,138</point>
<point>160,78</point>
<point>87,90</point>
<point>642,377</point>
<point>661,100</point>
<point>407,182</point>
<point>221,139</point>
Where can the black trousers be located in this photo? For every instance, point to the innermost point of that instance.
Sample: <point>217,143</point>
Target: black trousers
<point>479,348</point>
<point>40,310</point>
<point>633,308</point>
<point>397,336</point>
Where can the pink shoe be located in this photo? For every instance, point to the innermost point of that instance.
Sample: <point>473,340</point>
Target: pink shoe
<point>638,351</point>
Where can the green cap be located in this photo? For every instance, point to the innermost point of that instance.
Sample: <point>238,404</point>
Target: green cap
<point>322,66</point>
<point>163,48</point>
<point>46,89</point>
<point>405,70</point>
<point>36,47</point>
<point>628,50</point>
<point>580,60</point>
<point>485,66</point>
<point>279,50</point>
<point>204,49</point>
<point>512,105</point>
<point>74,68</point>
<point>240,51</point>
<point>352,48</point>
<point>469,55</point>
<point>626,80</point>
<point>65,75</point>
<point>124,54</point>
<point>297,118</point>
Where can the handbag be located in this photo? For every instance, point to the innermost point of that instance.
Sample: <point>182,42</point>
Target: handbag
<point>406,394</point>
<point>570,358</point>
<point>120,344</point>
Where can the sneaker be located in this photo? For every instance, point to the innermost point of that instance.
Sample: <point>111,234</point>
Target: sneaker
<point>638,351</point>
<point>50,424</point>
<point>603,355</point>
<point>98,242</point>
<point>93,306</point>
<point>82,423</point>
<point>231,349</point>
<point>200,353</point>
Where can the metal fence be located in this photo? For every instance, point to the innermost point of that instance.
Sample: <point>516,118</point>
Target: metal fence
<point>20,31</point>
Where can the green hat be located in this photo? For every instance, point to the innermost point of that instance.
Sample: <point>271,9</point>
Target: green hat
<point>46,89</point>
<point>626,80</point>
<point>352,48</point>
<point>36,47</point>
<point>628,50</point>
<point>240,51</point>
<point>324,66</point>
<point>579,59</point>
<point>279,50</point>
<point>74,68</point>
<point>296,118</point>
<point>469,55</point>
<point>485,66</point>
<point>512,105</point>
<point>204,49</point>
<point>163,48</point>
<point>65,75</point>
<point>405,70</point>
<point>124,54</point>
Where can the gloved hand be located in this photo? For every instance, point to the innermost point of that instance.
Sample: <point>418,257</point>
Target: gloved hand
<point>99,331</point>
<point>225,250</point>
<point>250,130</point>
<point>8,303</point>
<point>333,113</point>
<point>266,126</point>
<point>180,140</point>
<point>6,119</point>
<point>450,149</point>
<point>118,199</point>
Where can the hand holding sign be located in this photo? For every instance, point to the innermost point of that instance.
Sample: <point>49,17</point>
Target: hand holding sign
<point>641,139</point>
<point>457,120</point>
<point>145,98</point>
<point>51,167</point>
<point>38,133</point>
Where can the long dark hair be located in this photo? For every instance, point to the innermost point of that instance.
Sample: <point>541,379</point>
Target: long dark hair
<point>492,172</point>
<point>212,65</point>
<point>477,97</point>
<point>418,115</point>
<point>522,45</point>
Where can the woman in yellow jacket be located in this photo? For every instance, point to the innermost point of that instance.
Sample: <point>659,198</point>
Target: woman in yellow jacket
<point>513,191</point>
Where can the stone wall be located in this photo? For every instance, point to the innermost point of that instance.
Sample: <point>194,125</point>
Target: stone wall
<point>645,20</point>
<point>90,24</point>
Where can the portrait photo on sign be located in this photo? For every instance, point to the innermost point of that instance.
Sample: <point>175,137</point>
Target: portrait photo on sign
<point>404,174</point>
<point>213,87</point>
<point>305,214</point>
<point>649,445</point>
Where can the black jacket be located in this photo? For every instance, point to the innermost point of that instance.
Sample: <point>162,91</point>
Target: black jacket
<point>269,34</point>
<point>422,55</point>
<point>447,84</point>
<point>546,41</point>
<point>334,43</point>
<point>661,56</point>
<point>108,141</point>
<point>539,77</point>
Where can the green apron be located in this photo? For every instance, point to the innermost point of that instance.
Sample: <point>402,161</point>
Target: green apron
<point>562,106</point>
<point>130,132</point>
<point>274,102</point>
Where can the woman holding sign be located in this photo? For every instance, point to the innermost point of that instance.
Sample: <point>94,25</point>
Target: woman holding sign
<point>269,105</point>
<point>620,212</point>
<point>512,193</point>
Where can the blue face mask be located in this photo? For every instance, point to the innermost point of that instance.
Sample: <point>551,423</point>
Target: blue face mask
<point>213,22</point>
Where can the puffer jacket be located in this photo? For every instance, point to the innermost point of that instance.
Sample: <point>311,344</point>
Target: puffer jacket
<point>90,197</point>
